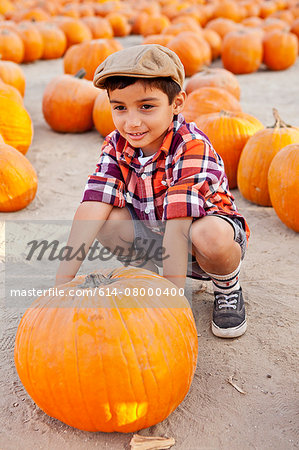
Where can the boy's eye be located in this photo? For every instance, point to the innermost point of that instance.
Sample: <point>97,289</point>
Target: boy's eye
<point>119,108</point>
<point>146,106</point>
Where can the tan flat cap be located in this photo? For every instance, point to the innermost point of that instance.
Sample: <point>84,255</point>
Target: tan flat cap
<point>144,61</point>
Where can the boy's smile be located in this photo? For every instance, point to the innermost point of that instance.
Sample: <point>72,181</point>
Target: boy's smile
<point>142,115</point>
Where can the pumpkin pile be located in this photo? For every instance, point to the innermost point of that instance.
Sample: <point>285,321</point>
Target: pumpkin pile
<point>243,34</point>
<point>18,179</point>
<point>105,362</point>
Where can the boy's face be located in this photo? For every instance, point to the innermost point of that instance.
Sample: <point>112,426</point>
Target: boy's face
<point>142,114</point>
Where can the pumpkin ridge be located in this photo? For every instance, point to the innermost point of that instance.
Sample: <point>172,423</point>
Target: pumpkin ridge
<point>78,308</point>
<point>138,362</point>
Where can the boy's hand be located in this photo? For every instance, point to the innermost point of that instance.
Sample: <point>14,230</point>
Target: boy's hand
<point>176,243</point>
<point>88,220</point>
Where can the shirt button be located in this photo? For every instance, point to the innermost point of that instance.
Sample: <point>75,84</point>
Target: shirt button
<point>164,183</point>
<point>147,210</point>
<point>143,176</point>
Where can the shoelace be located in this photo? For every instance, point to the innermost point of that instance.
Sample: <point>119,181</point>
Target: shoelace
<point>227,300</point>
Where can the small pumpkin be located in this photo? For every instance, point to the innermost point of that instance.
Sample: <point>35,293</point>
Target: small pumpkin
<point>15,124</point>
<point>256,158</point>
<point>32,40</point>
<point>214,41</point>
<point>192,49</point>
<point>242,51</point>
<point>119,362</point>
<point>99,27</point>
<point>222,26</point>
<point>280,49</point>
<point>283,180</point>
<point>18,179</point>
<point>229,132</point>
<point>101,114</point>
<point>6,90</point>
<point>54,41</point>
<point>119,23</point>
<point>11,73</point>
<point>88,55</point>
<point>68,103</point>
<point>11,46</point>
<point>75,31</point>
<point>208,100</point>
<point>215,77</point>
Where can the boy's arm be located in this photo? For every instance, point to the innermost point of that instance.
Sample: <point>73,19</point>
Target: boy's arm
<point>176,242</point>
<point>87,222</point>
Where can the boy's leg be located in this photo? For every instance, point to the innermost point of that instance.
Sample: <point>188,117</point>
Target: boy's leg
<point>219,245</point>
<point>118,235</point>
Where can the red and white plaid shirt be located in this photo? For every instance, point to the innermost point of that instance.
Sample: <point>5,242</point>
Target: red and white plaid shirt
<point>185,178</point>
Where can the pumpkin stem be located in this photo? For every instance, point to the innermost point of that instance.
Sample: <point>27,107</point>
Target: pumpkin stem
<point>279,123</point>
<point>94,280</point>
<point>225,113</point>
<point>80,74</point>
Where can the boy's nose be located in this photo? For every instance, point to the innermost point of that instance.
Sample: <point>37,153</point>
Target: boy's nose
<point>133,120</point>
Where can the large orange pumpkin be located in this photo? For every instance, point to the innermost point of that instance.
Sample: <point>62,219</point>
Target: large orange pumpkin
<point>54,40</point>
<point>101,114</point>
<point>18,179</point>
<point>283,184</point>
<point>229,132</point>
<point>68,103</point>
<point>256,158</point>
<point>121,359</point>
<point>15,124</point>
<point>207,100</point>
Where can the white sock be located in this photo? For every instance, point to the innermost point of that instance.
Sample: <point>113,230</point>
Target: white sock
<point>226,283</point>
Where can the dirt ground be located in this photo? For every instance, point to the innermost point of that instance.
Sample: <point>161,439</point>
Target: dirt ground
<point>263,362</point>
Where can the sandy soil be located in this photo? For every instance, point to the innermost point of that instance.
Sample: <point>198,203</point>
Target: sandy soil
<point>264,362</point>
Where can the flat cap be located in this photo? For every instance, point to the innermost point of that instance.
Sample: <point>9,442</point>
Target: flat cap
<point>144,61</point>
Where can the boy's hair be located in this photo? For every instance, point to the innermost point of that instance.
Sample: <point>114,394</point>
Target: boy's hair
<point>164,84</point>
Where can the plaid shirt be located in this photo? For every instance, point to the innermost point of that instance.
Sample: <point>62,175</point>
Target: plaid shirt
<point>185,178</point>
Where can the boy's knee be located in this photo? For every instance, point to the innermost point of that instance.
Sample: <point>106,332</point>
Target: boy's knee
<point>119,224</point>
<point>212,238</point>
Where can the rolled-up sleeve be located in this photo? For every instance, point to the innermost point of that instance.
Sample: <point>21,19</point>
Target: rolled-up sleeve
<point>106,184</point>
<point>197,175</point>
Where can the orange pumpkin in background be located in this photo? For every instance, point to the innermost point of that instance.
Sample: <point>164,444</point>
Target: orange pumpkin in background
<point>283,180</point>
<point>242,51</point>
<point>11,46</point>
<point>18,179</point>
<point>207,100</point>
<point>280,49</point>
<point>15,124</point>
<point>32,40</point>
<point>109,362</point>
<point>215,77</point>
<point>68,103</point>
<point>11,73</point>
<point>228,133</point>
<point>54,41</point>
<point>101,114</point>
<point>89,55</point>
<point>257,156</point>
<point>75,31</point>
<point>192,49</point>
<point>6,90</point>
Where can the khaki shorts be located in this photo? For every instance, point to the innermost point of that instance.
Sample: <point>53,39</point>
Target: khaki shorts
<point>144,238</point>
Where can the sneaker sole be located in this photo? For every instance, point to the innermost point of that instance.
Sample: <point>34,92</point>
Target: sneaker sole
<point>229,332</point>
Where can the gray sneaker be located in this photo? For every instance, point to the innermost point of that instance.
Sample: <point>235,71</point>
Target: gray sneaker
<point>229,318</point>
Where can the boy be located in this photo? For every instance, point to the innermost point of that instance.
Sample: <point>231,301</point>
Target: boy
<point>160,178</point>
